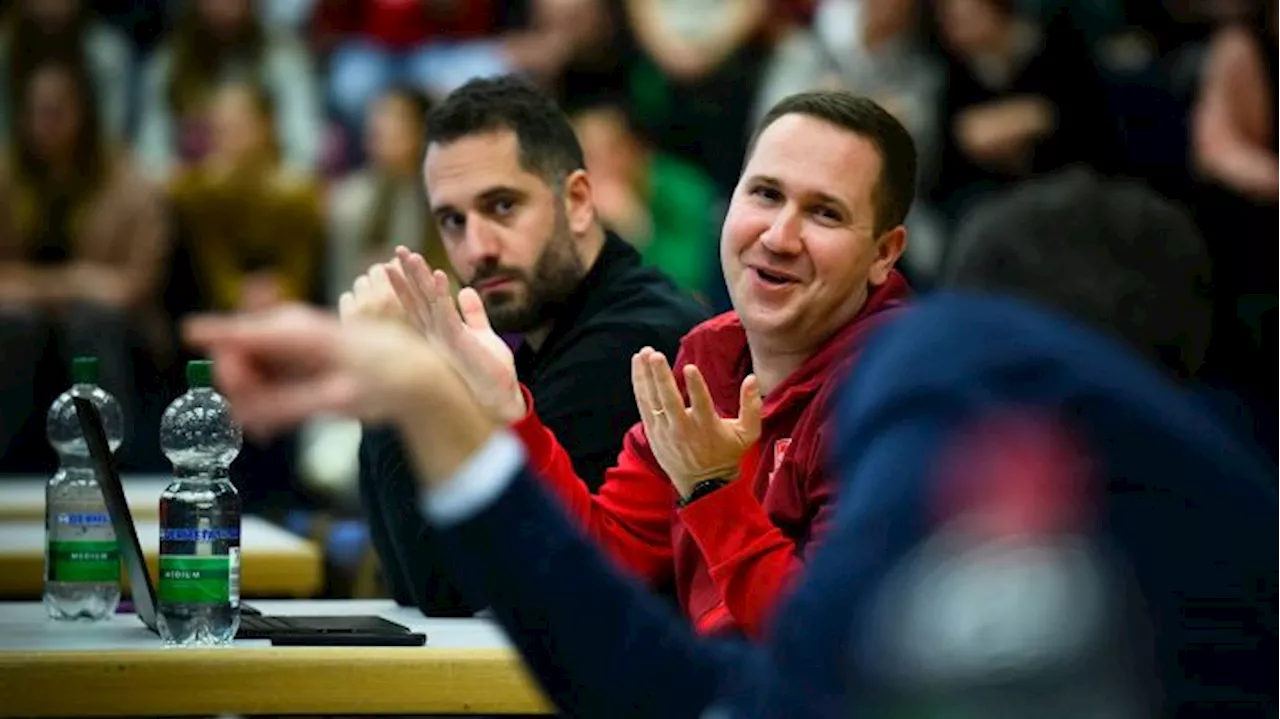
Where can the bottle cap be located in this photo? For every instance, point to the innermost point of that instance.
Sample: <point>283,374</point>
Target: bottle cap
<point>200,373</point>
<point>84,370</point>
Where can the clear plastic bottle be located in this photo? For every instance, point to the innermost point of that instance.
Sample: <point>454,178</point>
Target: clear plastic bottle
<point>199,584</point>
<point>82,560</point>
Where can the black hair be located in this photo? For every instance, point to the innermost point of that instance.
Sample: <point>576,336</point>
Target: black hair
<point>548,146</point>
<point>1110,252</point>
<point>896,187</point>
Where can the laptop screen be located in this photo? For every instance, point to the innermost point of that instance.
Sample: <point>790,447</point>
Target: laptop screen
<point>144,596</point>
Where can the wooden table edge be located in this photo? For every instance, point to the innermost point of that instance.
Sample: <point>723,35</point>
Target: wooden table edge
<point>276,680</point>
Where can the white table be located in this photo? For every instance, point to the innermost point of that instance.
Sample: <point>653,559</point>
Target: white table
<point>22,496</point>
<point>274,562</point>
<point>120,668</point>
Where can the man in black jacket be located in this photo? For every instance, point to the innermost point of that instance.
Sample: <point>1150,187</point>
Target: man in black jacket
<point>507,184</point>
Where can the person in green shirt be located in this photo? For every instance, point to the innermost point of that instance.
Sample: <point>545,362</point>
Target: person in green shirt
<point>666,207</point>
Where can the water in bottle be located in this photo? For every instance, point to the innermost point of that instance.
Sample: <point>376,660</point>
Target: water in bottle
<point>82,562</point>
<point>199,585</point>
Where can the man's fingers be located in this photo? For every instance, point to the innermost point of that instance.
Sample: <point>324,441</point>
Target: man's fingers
<point>361,286</point>
<point>473,312</point>
<point>640,386</point>
<point>346,306</point>
<point>445,307</point>
<point>410,299</point>
<point>751,403</point>
<point>704,408</point>
<point>668,392</point>
<point>288,333</point>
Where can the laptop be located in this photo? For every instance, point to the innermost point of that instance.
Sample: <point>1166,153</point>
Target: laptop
<point>318,630</point>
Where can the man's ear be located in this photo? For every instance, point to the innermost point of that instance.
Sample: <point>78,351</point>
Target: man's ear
<point>578,205</point>
<point>889,247</point>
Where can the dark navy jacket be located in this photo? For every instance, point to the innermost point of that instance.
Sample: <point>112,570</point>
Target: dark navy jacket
<point>1190,509</point>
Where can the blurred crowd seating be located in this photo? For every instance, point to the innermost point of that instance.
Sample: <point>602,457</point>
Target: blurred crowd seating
<point>168,156</point>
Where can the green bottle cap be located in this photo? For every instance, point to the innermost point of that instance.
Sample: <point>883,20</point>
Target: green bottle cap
<point>84,370</point>
<point>200,373</point>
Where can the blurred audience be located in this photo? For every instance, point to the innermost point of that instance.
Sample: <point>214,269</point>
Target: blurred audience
<point>1233,148</point>
<point>667,208</point>
<point>384,203</point>
<point>83,249</point>
<point>437,45</point>
<point>214,42</point>
<point>695,80</point>
<point>1020,100</point>
<point>252,226</point>
<point>34,30</point>
<point>876,48</point>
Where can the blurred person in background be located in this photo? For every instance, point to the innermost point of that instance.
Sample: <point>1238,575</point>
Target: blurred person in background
<point>215,42</point>
<point>84,244</point>
<point>383,205</point>
<point>253,230</point>
<point>667,208</point>
<point>32,31</point>
<point>1074,299</point>
<point>876,48</point>
<point>252,226</point>
<point>437,45</point>
<point>697,77</point>
<point>1020,100</point>
<point>1233,151</point>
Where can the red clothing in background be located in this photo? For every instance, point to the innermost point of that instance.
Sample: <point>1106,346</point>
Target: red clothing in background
<point>402,24</point>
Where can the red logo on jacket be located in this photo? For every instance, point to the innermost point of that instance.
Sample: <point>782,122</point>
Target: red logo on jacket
<point>779,454</point>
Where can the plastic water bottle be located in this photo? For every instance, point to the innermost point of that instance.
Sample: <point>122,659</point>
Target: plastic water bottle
<point>199,585</point>
<point>82,561</point>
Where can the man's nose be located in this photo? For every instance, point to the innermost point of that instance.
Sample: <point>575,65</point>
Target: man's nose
<point>783,236</point>
<point>482,244</point>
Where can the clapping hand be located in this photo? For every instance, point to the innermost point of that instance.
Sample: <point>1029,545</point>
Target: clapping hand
<point>372,298</point>
<point>692,443</point>
<point>479,355</point>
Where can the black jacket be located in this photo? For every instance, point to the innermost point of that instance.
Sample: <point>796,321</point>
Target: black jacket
<point>581,385</point>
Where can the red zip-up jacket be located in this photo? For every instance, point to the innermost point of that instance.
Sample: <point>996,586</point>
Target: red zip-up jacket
<point>733,552</point>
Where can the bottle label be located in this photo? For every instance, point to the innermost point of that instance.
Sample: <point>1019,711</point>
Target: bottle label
<point>198,580</point>
<point>81,561</point>
<point>81,544</point>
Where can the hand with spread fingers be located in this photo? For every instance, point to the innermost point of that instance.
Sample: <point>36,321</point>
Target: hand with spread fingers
<point>480,355</point>
<point>692,443</point>
<point>372,297</point>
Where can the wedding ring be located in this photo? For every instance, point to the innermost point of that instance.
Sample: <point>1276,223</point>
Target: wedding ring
<point>659,412</point>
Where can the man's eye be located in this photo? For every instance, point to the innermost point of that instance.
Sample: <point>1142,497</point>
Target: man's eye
<point>827,214</point>
<point>503,207</point>
<point>767,193</point>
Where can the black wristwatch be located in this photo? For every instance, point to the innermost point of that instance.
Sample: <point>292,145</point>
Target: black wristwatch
<point>701,489</point>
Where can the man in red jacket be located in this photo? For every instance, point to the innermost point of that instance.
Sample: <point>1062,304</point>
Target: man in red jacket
<point>721,487</point>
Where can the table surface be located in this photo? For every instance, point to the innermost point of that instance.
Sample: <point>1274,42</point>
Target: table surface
<point>274,563</point>
<point>120,668</point>
<point>22,495</point>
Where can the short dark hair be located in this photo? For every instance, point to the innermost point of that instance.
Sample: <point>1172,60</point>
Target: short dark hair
<point>1109,252</point>
<point>548,146</point>
<point>896,188</point>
